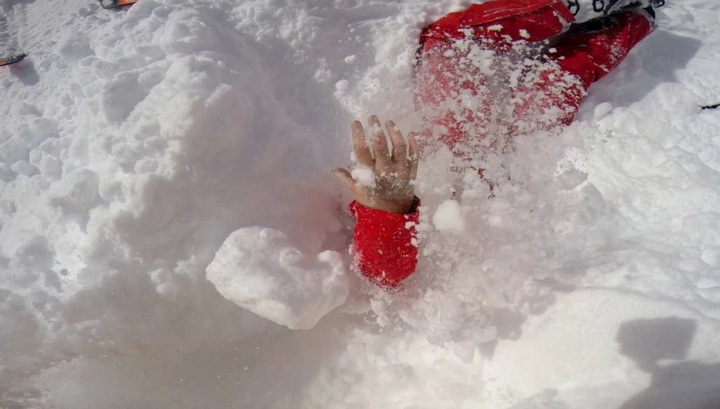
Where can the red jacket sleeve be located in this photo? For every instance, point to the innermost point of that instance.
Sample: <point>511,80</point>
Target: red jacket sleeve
<point>385,244</point>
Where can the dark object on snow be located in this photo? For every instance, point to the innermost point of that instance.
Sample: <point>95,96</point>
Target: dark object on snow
<point>11,59</point>
<point>113,4</point>
<point>711,106</point>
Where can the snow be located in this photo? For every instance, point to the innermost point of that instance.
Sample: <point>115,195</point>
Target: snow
<point>258,269</point>
<point>448,217</point>
<point>140,145</point>
<point>364,176</point>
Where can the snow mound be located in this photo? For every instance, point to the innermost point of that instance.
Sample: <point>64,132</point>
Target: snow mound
<point>259,269</point>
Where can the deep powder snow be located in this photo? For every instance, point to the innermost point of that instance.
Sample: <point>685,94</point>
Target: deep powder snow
<point>137,145</point>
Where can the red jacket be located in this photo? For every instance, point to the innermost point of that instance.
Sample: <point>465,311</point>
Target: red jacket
<point>385,243</point>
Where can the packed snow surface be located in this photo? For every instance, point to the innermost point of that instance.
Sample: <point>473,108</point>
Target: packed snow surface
<point>165,184</point>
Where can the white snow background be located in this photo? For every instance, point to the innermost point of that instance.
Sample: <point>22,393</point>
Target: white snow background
<point>135,142</point>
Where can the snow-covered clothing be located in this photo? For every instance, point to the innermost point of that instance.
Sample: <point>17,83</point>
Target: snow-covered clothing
<point>385,243</point>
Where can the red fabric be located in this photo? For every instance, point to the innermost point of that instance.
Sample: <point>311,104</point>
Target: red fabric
<point>496,26</point>
<point>591,56</point>
<point>539,19</point>
<point>385,243</point>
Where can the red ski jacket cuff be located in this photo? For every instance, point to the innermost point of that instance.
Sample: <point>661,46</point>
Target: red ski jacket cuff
<point>385,243</point>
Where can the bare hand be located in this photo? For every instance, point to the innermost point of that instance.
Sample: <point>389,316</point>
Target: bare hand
<point>391,170</point>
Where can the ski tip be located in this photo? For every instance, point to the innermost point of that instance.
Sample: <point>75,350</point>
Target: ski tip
<point>12,59</point>
<point>114,4</point>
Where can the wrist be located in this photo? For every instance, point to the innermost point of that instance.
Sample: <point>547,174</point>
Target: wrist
<point>398,206</point>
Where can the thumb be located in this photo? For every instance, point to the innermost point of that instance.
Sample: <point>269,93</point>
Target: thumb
<point>345,177</point>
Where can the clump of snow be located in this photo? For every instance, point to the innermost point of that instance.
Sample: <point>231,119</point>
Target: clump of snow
<point>364,176</point>
<point>449,218</point>
<point>258,269</point>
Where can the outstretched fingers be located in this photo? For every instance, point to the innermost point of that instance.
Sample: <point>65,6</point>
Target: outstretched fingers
<point>393,167</point>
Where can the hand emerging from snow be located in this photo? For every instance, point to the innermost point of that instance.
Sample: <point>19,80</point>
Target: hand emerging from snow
<point>385,175</point>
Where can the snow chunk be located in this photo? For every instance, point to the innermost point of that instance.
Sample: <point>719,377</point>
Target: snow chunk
<point>449,218</point>
<point>341,87</point>
<point>364,176</point>
<point>258,269</point>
